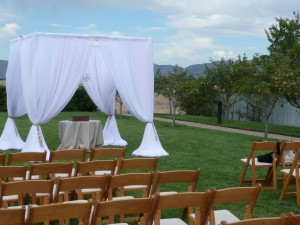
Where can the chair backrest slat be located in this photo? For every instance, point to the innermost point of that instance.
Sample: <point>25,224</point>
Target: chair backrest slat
<point>102,153</point>
<point>24,157</point>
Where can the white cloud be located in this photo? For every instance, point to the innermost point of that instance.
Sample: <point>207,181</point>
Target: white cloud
<point>9,30</point>
<point>89,27</point>
<point>223,54</point>
<point>57,25</point>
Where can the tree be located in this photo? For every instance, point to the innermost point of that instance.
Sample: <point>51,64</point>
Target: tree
<point>170,86</point>
<point>226,77</point>
<point>259,90</point>
<point>284,38</point>
<point>197,96</point>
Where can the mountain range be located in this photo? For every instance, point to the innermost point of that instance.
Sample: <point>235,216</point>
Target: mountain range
<point>196,70</point>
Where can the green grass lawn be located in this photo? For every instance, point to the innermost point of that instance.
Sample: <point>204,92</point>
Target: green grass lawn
<point>216,153</point>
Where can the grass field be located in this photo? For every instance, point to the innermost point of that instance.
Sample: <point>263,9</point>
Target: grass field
<point>216,153</point>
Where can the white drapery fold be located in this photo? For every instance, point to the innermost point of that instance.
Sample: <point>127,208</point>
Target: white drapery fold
<point>130,64</point>
<point>101,89</point>
<point>10,138</point>
<point>150,138</point>
<point>52,67</point>
<point>111,133</point>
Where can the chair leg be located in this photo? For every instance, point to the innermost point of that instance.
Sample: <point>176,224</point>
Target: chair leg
<point>284,188</point>
<point>253,176</point>
<point>243,174</point>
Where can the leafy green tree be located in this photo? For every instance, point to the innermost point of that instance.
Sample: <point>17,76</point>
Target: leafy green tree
<point>170,86</point>
<point>284,38</point>
<point>259,90</point>
<point>226,77</point>
<point>197,97</point>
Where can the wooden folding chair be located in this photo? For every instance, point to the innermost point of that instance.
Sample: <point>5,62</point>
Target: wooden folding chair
<point>50,170</point>
<point>27,189</point>
<point>73,155</point>
<point>71,185</point>
<point>291,148</point>
<point>141,206</point>
<point>137,165</point>
<point>200,200</point>
<point>90,167</point>
<point>164,182</point>
<point>282,220</point>
<point>23,158</point>
<point>261,148</point>
<point>61,212</point>
<point>292,174</point>
<point>12,216</point>
<point>107,154</point>
<point>12,173</point>
<point>226,196</point>
<point>2,159</point>
<point>118,182</point>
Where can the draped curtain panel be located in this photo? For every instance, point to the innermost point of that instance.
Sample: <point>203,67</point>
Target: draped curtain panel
<point>52,67</point>
<point>101,89</point>
<point>130,64</point>
<point>10,138</point>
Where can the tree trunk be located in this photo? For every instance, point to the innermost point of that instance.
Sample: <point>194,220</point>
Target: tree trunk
<point>121,106</point>
<point>171,107</point>
<point>174,113</point>
<point>266,128</point>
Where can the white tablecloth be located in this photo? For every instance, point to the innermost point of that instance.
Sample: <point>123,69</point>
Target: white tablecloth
<point>84,134</point>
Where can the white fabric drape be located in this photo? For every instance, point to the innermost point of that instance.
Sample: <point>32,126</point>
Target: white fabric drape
<point>52,67</point>
<point>130,63</point>
<point>101,89</point>
<point>10,138</point>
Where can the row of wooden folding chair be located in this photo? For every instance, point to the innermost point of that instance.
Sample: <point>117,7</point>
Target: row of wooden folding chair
<point>64,154</point>
<point>276,153</point>
<point>150,208</point>
<point>285,219</point>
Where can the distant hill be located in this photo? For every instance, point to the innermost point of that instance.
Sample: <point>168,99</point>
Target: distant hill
<point>3,67</point>
<point>196,70</point>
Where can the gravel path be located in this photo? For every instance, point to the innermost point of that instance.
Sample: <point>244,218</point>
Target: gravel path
<point>233,130</point>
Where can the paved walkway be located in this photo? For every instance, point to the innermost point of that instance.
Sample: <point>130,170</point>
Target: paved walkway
<point>233,130</point>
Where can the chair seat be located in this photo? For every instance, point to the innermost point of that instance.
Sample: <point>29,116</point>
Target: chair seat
<point>172,221</point>
<point>102,172</point>
<point>118,224</point>
<point>167,193</point>
<point>224,215</point>
<point>10,198</point>
<point>263,164</point>
<point>135,187</point>
<point>90,190</point>
<point>122,198</point>
<point>287,171</point>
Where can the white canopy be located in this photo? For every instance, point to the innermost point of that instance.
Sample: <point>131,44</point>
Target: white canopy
<point>47,69</point>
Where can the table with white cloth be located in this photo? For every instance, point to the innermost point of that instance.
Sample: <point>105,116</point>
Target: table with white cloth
<point>80,134</point>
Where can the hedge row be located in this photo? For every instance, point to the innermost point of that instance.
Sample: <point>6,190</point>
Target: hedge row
<point>79,102</point>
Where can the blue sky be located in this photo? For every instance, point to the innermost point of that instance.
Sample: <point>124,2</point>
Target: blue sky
<point>184,32</point>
